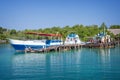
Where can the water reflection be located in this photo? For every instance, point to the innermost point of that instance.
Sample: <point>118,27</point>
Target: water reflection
<point>79,64</point>
<point>44,64</point>
<point>27,64</point>
<point>105,55</point>
<point>88,62</point>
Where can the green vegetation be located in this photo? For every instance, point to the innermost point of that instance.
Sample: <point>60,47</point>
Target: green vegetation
<point>115,27</point>
<point>2,33</point>
<point>84,32</point>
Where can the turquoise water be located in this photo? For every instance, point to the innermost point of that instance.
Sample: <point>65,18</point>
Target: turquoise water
<point>82,64</point>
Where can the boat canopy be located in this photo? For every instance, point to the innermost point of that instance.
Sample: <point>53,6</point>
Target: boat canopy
<point>44,34</point>
<point>72,35</point>
<point>102,34</point>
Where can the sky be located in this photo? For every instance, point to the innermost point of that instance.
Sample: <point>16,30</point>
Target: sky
<point>36,14</point>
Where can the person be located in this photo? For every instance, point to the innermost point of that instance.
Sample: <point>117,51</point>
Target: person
<point>30,48</point>
<point>75,41</point>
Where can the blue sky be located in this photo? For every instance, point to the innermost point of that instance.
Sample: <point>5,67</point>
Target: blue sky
<point>35,14</point>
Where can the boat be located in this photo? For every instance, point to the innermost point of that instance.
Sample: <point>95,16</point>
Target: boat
<point>21,45</point>
<point>101,37</point>
<point>73,38</point>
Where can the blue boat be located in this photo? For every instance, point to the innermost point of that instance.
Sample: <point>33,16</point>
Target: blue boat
<point>21,45</point>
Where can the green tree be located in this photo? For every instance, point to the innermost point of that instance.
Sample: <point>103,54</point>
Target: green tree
<point>103,27</point>
<point>2,37</point>
<point>3,33</point>
<point>115,27</point>
<point>13,31</point>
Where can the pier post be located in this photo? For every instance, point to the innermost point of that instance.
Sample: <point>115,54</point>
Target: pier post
<point>59,48</point>
<point>56,48</point>
<point>75,46</point>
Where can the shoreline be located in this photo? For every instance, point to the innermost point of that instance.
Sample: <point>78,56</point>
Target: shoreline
<point>3,41</point>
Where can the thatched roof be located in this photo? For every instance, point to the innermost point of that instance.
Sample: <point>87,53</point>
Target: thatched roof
<point>114,31</point>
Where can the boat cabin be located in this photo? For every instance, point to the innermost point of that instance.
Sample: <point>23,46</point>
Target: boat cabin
<point>72,38</point>
<point>103,38</point>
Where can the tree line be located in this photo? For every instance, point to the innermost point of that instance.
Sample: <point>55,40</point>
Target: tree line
<point>84,32</point>
<point>115,27</point>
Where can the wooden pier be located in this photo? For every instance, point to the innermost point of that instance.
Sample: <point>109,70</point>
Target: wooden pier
<point>54,48</point>
<point>71,47</point>
<point>100,45</point>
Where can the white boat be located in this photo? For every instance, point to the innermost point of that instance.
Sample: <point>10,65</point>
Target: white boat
<point>21,45</point>
<point>73,38</point>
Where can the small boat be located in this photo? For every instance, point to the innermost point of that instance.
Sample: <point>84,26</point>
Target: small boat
<point>21,45</point>
<point>73,38</point>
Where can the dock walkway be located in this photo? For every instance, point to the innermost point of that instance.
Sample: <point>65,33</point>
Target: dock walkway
<point>54,48</point>
<point>70,47</point>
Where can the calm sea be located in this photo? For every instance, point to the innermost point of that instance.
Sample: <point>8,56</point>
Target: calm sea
<point>82,64</point>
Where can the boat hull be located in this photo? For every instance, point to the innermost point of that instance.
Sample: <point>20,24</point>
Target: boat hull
<point>21,45</point>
